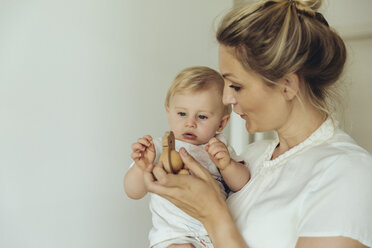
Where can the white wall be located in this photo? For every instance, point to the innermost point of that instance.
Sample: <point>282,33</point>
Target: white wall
<point>353,21</point>
<point>79,82</point>
<point>358,111</point>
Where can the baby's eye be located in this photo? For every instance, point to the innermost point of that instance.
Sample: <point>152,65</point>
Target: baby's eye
<point>236,88</point>
<point>203,117</point>
<point>181,113</point>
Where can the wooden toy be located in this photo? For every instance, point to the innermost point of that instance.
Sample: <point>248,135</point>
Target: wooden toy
<point>170,158</point>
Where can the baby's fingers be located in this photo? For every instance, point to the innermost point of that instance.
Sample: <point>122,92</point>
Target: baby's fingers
<point>215,148</point>
<point>143,141</point>
<point>136,155</point>
<point>220,154</point>
<point>148,138</point>
<point>147,142</point>
<point>214,141</point>
<point>137,147</point>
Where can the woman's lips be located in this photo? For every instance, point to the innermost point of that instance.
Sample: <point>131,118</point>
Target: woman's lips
<point>189,136</point>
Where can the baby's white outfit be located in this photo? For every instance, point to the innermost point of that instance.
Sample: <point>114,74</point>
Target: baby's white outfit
<point>170,224</point>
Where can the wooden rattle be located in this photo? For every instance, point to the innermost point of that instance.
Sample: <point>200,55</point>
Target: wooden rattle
<point>170,158</point>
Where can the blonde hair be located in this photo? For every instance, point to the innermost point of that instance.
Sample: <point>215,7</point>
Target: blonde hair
<point>278,37</point>
<point>195,79</point>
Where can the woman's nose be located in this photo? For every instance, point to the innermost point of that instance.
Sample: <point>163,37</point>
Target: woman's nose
<point>228,96</point>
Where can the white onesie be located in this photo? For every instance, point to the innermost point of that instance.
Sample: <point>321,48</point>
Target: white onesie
<point>170,222</point>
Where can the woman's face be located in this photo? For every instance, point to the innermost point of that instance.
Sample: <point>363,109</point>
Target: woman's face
<point>263,107</point>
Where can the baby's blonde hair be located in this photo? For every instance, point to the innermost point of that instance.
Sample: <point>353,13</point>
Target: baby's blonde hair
<point>277,37</point>
<point>195,79</point>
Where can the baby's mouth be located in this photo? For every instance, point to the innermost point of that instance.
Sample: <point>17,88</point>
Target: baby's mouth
<point>189,136</point>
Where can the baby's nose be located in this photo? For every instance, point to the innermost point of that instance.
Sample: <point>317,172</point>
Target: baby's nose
<point>190,122</point>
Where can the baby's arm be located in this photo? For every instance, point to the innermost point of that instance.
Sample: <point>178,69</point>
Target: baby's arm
<point>235,174</point>
<point>143,154</point>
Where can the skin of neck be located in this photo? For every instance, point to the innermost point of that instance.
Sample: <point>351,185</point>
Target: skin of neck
<point>303,120</point>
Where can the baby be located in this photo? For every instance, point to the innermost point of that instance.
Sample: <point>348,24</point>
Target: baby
<point>196,115</point>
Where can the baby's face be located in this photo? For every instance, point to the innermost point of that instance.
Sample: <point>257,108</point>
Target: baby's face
<point>195,117</point>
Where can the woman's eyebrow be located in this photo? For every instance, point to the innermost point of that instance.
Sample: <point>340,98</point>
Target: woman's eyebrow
<point>225,75</point>
<point>230,77</point>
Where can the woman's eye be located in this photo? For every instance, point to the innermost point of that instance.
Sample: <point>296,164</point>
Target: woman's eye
<point>236,88</point>
<point>181,113</point>
<point>203,117</point>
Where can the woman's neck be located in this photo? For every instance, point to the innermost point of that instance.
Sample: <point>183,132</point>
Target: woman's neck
<point>297,129</point>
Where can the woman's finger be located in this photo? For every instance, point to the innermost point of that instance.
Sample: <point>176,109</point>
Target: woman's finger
<point>150,180</point>
<point>159,173</point>
<point>154,186</point>
<point>167,179</point>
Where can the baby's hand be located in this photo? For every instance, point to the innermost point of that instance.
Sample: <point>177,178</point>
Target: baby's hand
<point>218,153</point>
<point>143,152</point>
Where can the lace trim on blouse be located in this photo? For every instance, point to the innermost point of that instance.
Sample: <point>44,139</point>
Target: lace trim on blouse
<point>322,134</point>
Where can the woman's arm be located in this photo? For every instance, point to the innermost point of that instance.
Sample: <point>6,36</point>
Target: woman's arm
<point>199,196</point>
<point>223,231</point>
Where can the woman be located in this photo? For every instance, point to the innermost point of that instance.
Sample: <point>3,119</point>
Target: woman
<point>311,186</point>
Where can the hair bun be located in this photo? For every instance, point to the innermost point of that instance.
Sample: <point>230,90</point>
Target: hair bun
<point>314,5</point>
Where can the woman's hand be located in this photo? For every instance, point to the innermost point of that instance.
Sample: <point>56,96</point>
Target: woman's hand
<point>194,194</point>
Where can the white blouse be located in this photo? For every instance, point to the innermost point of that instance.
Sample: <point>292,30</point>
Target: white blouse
<point>322,187</point>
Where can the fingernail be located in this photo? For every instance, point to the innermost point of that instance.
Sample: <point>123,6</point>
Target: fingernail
<point>183,152</point>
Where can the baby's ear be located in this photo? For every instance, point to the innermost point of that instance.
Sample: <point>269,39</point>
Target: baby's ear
<point>225,119</point>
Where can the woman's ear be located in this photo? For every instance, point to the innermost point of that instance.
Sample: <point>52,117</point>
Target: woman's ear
<point>225,119</point>
<point>291,83</point>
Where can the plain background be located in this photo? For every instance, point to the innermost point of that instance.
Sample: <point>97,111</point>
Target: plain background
<point>81,80</point>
